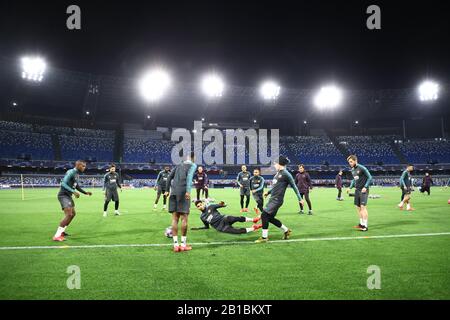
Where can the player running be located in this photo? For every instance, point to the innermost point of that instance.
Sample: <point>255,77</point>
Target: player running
<point>426,184</point>
<point>111,182</point>
<point>201,182</point>
<point>304,185</point>
<point>179,183</point>
<point>222,223</point>
<point>361,181</point>
<point>281,181</point>
<point>69,187</point>
<point>405,185</point>
<point>338,184</point>
<point>160,186</point>
<point>257,190</point>
<point>243,181</point>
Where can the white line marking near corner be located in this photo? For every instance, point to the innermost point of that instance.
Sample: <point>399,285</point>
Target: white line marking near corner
<point>96,246</point>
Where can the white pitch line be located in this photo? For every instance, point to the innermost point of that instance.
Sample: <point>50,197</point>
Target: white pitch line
<point>95,246</point>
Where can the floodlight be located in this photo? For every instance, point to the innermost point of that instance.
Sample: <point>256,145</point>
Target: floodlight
<point>212,86</point>
<point>269,90</point>
<point>428,91</point>
<point>154,84</point>
<point>33,68</point>
<point>328,97</point>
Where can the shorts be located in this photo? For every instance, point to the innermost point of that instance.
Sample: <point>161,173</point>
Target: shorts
<point>66,201</point>
<point>361,198</point>
<point>226,225</point>
<point>179,203</point>
<point>161,190</point>
<point>258,197</point>
<point>272,206</point>
<point>111,195</point>
<point>406,192</point>
<point>245,191</point>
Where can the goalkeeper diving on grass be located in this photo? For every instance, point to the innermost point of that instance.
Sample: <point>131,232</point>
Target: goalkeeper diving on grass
<point>222,223</point>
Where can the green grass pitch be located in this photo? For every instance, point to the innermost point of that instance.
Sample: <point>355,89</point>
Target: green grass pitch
<point>413,267</point>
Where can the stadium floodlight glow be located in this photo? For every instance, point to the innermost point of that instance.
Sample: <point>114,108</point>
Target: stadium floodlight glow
<point>33,68</point>
<point>212,86</point>
<point>270,90</point>
<point>428,91</point>
<point>14,104</point>
<point>328,97</point>
<point>154,84</point>
<point>305,122</point>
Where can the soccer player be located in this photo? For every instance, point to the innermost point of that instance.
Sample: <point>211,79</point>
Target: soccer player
<point>338,185</point>
<point>111,182</point>
<point>179,183</point>
<point>257,190</point>
<point>160,186</point>
<point>243,181</point>
<point>304,184</point>
<point>426,184</point>
<point>201,182</point>
<point>211,216</point>
<point>281,181</point>
<point>361,181</point>
<point>69,187</point>
<point>405,185</point>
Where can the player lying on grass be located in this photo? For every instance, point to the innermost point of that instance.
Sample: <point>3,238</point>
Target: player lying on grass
<point>69,187</point>
<point>281,181</point>
<point>110,184</point>
<point>361,181</point>
<point>223,223</point>
<point>406,185</point>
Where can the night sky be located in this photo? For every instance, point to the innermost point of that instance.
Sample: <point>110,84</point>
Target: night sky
<point>300,43</point>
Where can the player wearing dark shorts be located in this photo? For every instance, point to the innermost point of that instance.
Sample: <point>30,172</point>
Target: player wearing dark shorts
<point>111,182</point>
<point>201,182</point>
<point>160,186</point>
<point>69,187</point>
<point>361,181</point>
<point>338,184</point>
<point>222,223</point>
<point>304,185</point>
<point>243,181</point>
<point>281,181</point>
<point>257,190</point>
<point>426,184</point>
<point>406,185</point>
<point>179,183</point>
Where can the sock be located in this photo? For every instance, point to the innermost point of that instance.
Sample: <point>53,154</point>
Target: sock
<point>249,230</point>
<point>408,206</point>
<point>155,206</point>
<point>59,231</point>
<point>248,219</point>
<point>365,223</point>
<point>284,228</point>
<point>400,204</point>
<point>183,241</point>
<point>175,241</point>
<point>361,221</point>
<point>265,233</point>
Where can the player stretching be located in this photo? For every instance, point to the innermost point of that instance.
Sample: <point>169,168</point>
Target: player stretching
<point>179,183</point>
<point>201,182</point>
<point>160,186</point>
<point>110,184</point>
<point>426,184</point>
<point>405,185</point>
<point>338,185</point>
<point>361,181</point>
<point>304,184</point>
<point>211,216</point>
<point>69,186</point>
<point>281,181</point>
<point>243,181</point>
<point>257,189</point>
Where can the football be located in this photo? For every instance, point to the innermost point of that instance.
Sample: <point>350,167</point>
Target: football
<point>168,232</point>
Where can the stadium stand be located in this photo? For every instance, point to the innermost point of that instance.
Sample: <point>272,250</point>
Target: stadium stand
<point>370,150</point>
<point>426,151</point>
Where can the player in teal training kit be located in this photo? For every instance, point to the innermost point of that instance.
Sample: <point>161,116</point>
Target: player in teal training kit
<point>361,181</point>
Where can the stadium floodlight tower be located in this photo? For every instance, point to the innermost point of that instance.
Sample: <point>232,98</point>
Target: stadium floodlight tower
<point>428,91</point>
<point>270,90</point>
<point>328,97</point>
<point>212,85</point>
<point>33,68</point>
<point>154,84</point>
